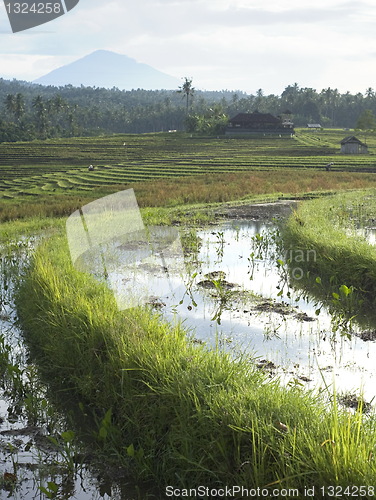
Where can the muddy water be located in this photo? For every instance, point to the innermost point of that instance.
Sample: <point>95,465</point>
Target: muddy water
<point>275,325</point>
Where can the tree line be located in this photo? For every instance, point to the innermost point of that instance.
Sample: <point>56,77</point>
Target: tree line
<point>30,111</point>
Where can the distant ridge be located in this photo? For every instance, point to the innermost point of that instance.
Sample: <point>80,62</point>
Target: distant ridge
<point>107,69</point>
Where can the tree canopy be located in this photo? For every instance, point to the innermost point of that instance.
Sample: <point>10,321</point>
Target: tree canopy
<point>366,122</point>
<point>29,111</point>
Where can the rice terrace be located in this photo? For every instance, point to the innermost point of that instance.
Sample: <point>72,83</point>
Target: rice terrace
<point>254,377</point>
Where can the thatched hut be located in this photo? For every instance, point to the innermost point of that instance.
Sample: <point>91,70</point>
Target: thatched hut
<point>351,145</point>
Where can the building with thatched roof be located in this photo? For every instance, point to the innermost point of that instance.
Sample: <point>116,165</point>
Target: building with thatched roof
<point>351,145</point>
<point>314,126</point>
<point>258,123</point>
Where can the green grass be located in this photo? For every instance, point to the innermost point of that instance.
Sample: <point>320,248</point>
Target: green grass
<point>188,191</point>
<point>50,178</point>
<point>343,257</point>
<point>173,411</point>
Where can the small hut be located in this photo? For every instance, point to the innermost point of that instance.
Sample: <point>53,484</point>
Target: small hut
<point>314,126</point>
<point>351,145</point>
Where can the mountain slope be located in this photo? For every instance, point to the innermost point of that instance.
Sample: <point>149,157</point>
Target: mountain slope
<point>104,68</point>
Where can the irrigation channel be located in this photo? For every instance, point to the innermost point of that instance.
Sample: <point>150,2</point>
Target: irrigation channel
<point>232,294</point>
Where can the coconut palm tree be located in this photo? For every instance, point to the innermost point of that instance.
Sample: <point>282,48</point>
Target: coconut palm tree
<point>10,103</point>
<point>187,90</point>
<point>41,114</point>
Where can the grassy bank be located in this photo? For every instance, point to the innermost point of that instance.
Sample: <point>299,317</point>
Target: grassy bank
<point>344,261</point>
<point>173,411</point>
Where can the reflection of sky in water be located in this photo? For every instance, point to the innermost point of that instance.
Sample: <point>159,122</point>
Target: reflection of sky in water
<point>23,445</point>
<point>300,347</point>
<point>369,234</point>
<point>137,265</point>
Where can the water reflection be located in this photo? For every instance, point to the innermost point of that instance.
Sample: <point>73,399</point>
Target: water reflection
<point>30,464</point>
<point>251,310</point>
<point>370,234</point>
<point>233,295</point>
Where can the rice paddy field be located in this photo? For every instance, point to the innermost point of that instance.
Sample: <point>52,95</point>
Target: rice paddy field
<point>39,168</point>
<point>98,402</point>
<point>170,169</point>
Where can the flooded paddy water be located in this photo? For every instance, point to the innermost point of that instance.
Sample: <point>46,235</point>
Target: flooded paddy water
<point>237,296</point>
<point>234,294</point>
<point>262,316</point>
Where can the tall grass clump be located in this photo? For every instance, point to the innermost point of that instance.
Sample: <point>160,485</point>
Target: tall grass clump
<point>179,413</point>
<point>334,228</point>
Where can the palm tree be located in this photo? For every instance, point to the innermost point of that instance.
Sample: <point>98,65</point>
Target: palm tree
<point>10,103</point>
<point>19,106</point>
<point>187,90</point>
<point>40,109</point>
<point>15,104</point>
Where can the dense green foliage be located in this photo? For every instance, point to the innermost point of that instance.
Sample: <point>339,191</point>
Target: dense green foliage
<point>366,122</point>
<point>29,111</point>
<point>179,413</point>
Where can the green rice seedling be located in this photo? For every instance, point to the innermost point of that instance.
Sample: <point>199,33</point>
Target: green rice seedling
<point>219,245</point>
<point>344,268</point>
<point>50,490</point>
<point>67,451</point>
<point>199,415</point>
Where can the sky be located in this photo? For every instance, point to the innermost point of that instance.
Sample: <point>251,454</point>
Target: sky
<point>221,44</point>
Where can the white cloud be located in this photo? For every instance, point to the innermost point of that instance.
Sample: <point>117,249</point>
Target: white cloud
<point>240,44</point>
<point>17,65</point>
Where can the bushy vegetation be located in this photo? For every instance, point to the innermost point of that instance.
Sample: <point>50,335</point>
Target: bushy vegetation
<point>31,111</point>
<point>174,411</point>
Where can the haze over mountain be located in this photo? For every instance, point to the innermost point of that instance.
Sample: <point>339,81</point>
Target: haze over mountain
<point>107,69</point>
